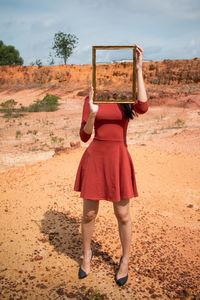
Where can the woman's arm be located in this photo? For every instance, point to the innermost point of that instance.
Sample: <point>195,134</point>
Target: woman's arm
<point>87,127</point>
<point>142,95</point>
<point>141,105</point>
<point>87,122</point>
<point>88,117</point>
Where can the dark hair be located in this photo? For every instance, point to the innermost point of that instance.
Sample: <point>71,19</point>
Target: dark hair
<point>129,112</point>
<point>127,108</point>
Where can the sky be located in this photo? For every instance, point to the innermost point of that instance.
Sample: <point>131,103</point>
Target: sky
<point>168,29</point>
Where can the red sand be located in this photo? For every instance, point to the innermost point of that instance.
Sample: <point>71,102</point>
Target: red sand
<point>40,235</point>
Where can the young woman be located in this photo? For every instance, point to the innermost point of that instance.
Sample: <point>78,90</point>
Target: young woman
<point>106,170</point>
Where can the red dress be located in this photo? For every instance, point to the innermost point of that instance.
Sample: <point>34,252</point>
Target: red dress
<point>106,169</point>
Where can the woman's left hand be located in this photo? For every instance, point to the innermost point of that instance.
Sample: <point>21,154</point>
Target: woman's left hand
<point>139,59</point>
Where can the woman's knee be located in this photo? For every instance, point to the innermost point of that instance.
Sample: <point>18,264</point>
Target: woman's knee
<point>89,216</point>
<point>90,210</point>
<point>123,217</point>
<point>122,211</point>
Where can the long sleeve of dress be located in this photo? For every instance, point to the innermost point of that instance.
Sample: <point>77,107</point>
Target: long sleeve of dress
<point>85,114</point>
<point>140,107</point>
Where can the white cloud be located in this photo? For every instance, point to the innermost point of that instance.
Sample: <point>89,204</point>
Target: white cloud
<point>48,23</point>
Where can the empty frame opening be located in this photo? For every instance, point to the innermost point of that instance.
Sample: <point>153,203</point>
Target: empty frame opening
<point>114,74</point>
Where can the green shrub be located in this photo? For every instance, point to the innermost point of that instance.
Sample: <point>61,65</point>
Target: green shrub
<point>29,131</point>
<point>35,131</point>
<point>8,107</point>
<point>179,122</point>
<point>49,103</point>
<point>18,134</point>
<point>9,110</point>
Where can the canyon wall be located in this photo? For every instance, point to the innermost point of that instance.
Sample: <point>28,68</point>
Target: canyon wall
<point>164,80</point>
<point>167,72</point>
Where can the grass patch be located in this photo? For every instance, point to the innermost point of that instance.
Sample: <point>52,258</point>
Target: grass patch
<point>18,134</point>
<point>48,103</point>
<point>179,122</point>
<point>9,110</point>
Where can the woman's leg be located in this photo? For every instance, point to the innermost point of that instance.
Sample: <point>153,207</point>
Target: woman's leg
<point>122,213</point>
<point>90,210</point>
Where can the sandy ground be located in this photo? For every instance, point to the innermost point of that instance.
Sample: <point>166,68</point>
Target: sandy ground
<point>40,220</point>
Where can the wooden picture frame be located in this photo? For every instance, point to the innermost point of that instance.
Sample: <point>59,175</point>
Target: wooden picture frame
<point>133,98</point>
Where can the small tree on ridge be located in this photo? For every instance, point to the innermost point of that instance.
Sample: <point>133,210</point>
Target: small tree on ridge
<point>64,45</point>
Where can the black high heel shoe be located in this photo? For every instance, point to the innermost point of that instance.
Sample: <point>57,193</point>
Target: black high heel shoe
<point>81,273</point>
<point>121,281</point>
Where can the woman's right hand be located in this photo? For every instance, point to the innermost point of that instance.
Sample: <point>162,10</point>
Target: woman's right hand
<point>93,107</point>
